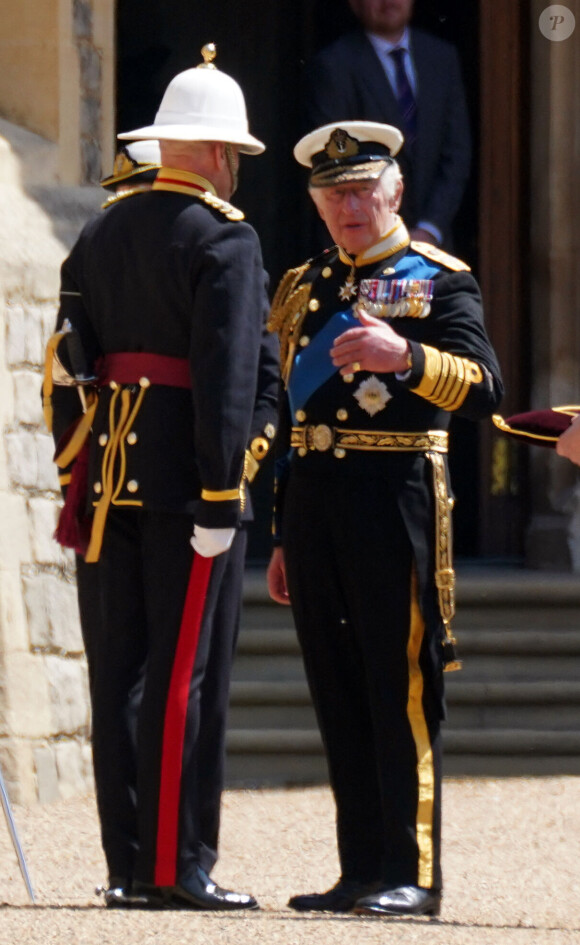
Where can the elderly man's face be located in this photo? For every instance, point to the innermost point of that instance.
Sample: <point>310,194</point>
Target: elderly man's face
<point>387,18</point>
<point>357,215</point>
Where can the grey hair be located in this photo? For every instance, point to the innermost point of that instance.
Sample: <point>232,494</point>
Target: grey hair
<point>390,178</point>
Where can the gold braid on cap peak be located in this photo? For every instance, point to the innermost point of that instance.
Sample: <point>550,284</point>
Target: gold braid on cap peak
<point>209,52</point>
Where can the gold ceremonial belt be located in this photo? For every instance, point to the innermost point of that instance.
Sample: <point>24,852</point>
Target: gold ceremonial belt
<point>322,438</point>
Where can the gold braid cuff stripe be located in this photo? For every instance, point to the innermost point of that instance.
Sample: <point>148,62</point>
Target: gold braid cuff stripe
<point>447,378</point>
<point>321,437</point>
<point>223,495</point>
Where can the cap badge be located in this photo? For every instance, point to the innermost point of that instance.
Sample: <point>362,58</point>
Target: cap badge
<point>341,145</point>
<point>123,164</point>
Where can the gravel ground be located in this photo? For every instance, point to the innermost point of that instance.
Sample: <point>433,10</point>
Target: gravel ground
<point>510,858</point>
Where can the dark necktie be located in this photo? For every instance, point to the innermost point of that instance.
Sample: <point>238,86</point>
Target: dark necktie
<point>404,96</point>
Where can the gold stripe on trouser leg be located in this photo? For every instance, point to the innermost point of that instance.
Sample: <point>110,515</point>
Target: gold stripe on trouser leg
<point>425,769</point>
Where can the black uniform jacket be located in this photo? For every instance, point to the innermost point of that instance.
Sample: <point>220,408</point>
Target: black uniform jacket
<point>429,298</point>
<point>172,272</point>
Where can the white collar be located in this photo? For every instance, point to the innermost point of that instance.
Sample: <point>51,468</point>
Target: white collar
<point>383,46</point>
<point>389,244</point>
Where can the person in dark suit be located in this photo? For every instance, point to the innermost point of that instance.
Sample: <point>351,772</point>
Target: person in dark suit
<point>165,291</point>
<point>382,341</point>
<point>389,72</point>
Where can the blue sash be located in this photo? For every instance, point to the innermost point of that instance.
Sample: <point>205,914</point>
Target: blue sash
<point>313,365</point>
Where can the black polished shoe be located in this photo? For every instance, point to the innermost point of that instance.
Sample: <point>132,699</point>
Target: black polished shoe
<point>400,900</point>
<point>341,898</point>
<point>120,895</point>
<point>196,892</point>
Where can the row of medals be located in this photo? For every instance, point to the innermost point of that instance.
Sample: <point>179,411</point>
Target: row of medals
<point>403,308</point>
<point>411,306</point>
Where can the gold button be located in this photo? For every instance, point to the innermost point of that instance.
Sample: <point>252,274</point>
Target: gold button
<point>132,485</point>
<point>270,431</point>
<point>302,451</point>
<point>300,416</point>
<point>389,271</point>
<point>326,272</point>
<point>113,385</point>
<point>314,305</point>
<point>342,414</point>
<point>339,452</point>
<point>304,341</point>
<point>348,378</point>
<point>259,447</point>
<point>103,439</point>
<point>97,487</point>
<point>144,382</point>
<point>131,438</point>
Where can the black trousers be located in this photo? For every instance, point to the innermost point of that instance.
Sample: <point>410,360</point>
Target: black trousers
<point>159,674</point>
<point>353,587</point>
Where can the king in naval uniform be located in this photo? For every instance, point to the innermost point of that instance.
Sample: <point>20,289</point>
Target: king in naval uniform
<point>382,341</point>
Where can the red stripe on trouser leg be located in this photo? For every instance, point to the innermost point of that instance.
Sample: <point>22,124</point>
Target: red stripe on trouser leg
<point>175,719</point>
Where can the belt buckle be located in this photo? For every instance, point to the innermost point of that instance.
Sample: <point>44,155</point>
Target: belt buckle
<point>319,437</point>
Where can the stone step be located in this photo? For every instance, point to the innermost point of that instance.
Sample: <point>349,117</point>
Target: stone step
<point>543,618</point>
<point>542,705</point>
<point>513,710</point>
<point>477,587</point>
<point>551,641</point>
<point>246,770</point>
<point>486,655</point>
<point>543,692</point>
<point>456,742</point>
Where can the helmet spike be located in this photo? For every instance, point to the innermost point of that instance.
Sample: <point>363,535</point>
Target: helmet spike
<point>209,52</point>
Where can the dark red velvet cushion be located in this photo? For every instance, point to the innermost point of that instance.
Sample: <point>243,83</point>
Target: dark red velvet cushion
<point>538,427</point>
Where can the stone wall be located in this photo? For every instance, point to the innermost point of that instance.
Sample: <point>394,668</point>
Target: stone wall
<point>58,79</point>
<point>44,715</point>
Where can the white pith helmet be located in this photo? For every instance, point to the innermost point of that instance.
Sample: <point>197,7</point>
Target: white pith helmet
<point>202,104</point>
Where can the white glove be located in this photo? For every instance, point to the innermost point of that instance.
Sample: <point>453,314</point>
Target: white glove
<point>210,542</point>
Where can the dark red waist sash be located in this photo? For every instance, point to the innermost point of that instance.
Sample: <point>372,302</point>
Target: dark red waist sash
<point>130,367</point>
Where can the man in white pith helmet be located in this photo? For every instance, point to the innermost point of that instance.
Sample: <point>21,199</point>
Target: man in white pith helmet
<point>166,292</point>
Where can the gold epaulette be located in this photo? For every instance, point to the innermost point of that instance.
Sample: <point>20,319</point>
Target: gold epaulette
<point>216,203</point>
<point>440,256</point>
<point>130,192</point>
<point>289,307</point>
<point>285,297</point>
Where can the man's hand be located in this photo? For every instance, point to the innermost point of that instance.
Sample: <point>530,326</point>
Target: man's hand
<point>210,542</point>
<point>276,576</point>
<point>375,346</point>
<point>568,444</point>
